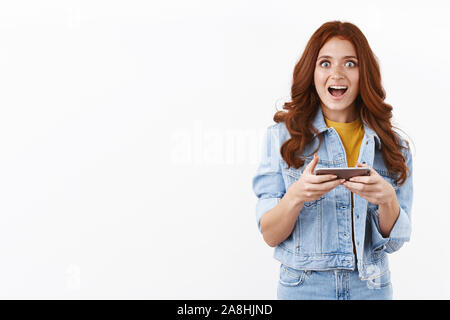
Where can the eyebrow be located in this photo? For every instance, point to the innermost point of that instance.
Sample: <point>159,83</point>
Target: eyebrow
<point>330,57</point>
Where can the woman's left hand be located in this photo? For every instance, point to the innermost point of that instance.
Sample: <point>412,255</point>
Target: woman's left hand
<point>373,188</point>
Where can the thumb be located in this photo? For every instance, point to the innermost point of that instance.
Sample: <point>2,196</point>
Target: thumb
<point>358,164</point>
<point>312,164</point>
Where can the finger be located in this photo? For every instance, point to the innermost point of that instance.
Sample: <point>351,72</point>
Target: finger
<point>353,185</point>
<point>363,179</point>
<point>310,167</point>
<point>364,165</point>
<point>321,178</point>
<point>354,191</point>
<point>367,194</point>
<point>351,188</point>
<point>360,187</point>
<point>326,186</point>
<point>333,184</point>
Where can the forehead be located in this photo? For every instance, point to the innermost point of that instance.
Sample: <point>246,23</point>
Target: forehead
<point>337,47</point>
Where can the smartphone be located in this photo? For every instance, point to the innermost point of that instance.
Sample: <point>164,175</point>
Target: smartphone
<point>344,173</point>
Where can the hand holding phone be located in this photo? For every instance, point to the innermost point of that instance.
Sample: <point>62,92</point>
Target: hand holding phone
<point>310,187</point>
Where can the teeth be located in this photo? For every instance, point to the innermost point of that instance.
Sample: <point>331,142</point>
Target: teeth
<point>338,87</point>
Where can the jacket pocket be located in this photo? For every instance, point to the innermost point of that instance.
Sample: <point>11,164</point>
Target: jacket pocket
<point>291,277</point>
<point>312,204</point>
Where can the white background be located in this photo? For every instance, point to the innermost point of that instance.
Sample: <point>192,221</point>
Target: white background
<point>130,132</point>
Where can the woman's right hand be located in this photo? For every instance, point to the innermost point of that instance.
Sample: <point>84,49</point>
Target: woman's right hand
<point>310,187</point>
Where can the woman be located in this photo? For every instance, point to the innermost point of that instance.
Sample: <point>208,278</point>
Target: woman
<point>332,236</point>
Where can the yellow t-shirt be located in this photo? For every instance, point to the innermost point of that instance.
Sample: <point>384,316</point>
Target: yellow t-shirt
<point>351,135</point>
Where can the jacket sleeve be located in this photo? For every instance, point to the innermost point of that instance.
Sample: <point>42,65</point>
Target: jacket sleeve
<point>401,231</point>
<point>268,183</point>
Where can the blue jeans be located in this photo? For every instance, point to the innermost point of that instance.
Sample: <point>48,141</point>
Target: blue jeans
<point>331,285</point>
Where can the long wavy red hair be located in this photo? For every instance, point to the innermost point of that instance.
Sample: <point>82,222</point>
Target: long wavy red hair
<point>299,113</point>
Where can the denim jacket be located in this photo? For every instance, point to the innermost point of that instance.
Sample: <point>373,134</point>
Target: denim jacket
<point>322,236</point>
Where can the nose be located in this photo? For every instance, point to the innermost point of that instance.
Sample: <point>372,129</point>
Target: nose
<point>336,73</point>
<point>336,77</point>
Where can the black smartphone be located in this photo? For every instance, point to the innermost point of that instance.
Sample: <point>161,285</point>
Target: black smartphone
<point>344,173</point>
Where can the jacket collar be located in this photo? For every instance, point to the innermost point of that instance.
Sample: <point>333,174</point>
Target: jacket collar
<point>321,126</point>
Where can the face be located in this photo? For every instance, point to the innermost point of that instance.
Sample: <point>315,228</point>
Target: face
<point>336,78</point>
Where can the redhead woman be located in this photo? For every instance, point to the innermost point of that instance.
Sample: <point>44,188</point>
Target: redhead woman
<point>332,236</point>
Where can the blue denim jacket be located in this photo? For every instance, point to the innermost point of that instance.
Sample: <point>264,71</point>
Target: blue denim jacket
<point>322,236</point>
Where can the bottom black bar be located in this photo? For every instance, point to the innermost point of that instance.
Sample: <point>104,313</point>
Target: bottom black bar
<point>198,309</point>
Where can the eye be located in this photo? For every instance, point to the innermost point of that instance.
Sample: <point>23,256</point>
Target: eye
<point>324,64</point>
<point>350,64</point>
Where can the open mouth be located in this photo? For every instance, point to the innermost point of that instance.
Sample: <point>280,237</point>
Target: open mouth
<point>337,91</point>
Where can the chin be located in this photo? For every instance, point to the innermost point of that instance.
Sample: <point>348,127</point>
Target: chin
<point>340,106</point>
